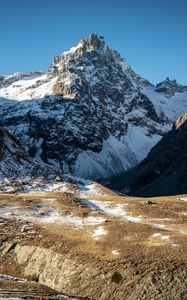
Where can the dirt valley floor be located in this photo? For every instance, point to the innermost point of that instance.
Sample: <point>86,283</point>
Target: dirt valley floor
<point>91,243</point>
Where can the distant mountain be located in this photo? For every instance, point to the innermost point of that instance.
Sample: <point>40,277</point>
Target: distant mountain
<point>170,87</point>
<point>164,170</point>
<point>15,162</point>
<point>90,115</point>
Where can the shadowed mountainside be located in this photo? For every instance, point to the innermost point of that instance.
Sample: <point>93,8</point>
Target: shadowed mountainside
<point>163,171</point>
<point>15,162</point>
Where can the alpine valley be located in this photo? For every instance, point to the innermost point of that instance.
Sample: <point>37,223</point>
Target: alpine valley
<point>93,162</point>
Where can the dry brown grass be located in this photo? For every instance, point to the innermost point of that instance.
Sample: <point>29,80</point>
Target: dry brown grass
<point>138,250</point>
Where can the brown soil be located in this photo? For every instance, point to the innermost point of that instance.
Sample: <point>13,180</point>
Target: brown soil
<point>132,261</point>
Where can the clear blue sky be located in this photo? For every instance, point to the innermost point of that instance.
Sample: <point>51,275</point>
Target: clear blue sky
<point>150,34</point>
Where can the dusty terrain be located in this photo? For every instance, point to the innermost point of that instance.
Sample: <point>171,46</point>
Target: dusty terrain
<point>93,245</point>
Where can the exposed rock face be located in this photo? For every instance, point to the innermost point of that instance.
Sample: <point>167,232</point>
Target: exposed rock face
<point>99,281</point>
<point>164,170</point>
<point>90,114</point>
<point>180,122</point>
<point>15,162</point>
<point>170,87</point>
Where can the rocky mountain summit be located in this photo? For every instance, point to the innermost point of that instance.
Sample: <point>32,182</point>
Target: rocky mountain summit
<point>170,87</point>
<point>90,114</point>
<point>163,172</point>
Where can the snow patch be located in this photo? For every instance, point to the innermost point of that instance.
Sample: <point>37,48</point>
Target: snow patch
<point>73,49</point>
<point>98,232</point>
<point>115,252</point>
<point>116,210</point>
<point>182,199</point>
<point>157,234</point>
<point>29,88</point>
<point>89,188</point>
<point>36,215</point>
<point>165,237</point>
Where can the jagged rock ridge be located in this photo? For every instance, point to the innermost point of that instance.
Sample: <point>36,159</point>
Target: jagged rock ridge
<point>170,87</point>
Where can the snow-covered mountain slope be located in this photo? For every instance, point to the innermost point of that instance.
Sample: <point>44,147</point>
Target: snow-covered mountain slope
<point>90,114</point>
<point>15,162</point>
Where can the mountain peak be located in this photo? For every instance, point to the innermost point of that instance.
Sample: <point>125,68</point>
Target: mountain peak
<point>93,43</point>
<point>92,63</point>
<point>170,87</point>
<point>96,41</point>
<point>170,80</point>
